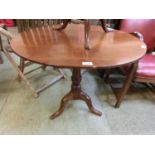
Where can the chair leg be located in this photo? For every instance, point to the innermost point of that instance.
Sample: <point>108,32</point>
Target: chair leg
<point>1,60</point>
<point>21,67</point>
<point>1,48</point>
<point>126,84</point>
<point>20,73</point>
<point>83,71</point>
<point>54,80</point>
<point>101,72</point>
<point>44,67</point>
<point>60,70</point>
<point>107,74</point>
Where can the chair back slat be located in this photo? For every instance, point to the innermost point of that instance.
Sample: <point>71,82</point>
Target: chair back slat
<point>20,25</point>
<point>45,22</point>
<point>26,24</point>
<point>1,60</point>
<point>32,23</point>
<point>39,22</point>
<point>50,21</point>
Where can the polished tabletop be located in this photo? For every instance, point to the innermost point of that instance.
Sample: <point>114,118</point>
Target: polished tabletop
<point>66,48</point>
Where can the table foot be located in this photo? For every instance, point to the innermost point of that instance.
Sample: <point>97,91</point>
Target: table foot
<point>83,96</point>
<point>62,105</point>
<point>75,94</point>
<point>71,96</point>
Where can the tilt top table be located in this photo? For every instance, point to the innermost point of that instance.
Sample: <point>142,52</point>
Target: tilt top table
<point>65,49</point>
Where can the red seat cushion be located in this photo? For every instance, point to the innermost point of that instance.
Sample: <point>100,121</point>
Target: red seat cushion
<point>7,22</point>
<point>146,66</point>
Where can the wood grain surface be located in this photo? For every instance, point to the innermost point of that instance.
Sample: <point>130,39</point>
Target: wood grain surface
<point>65,48</point>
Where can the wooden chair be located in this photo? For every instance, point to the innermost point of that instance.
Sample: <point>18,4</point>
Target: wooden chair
<point>1,45</point>
<point>24,25</point>
<point>145,68</point>
<point>1,60</point>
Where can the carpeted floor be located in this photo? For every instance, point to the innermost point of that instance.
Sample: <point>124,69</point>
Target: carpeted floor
<point>21,113</point>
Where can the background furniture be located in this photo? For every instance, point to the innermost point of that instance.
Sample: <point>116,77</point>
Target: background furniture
<point>1,60</point>
<point>7,22</point>
<point>4,23</point>
<point>1,45</point>
<point>87,29</point>
<point>26,25</point>
<point>65,49</point>
<point>145,69</point>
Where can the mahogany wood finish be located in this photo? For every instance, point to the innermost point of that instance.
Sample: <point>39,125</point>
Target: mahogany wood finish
<point>75,94</point>
<point>65,49</point>
<point>126,84</point>
<point>87,33</point>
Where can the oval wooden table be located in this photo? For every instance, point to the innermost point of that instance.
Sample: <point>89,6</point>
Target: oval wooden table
<point>65,49</point>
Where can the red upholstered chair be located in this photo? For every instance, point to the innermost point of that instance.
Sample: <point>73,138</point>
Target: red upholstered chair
<point>144,26</point>
<point>145,71</point>
<point>7,22</point>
